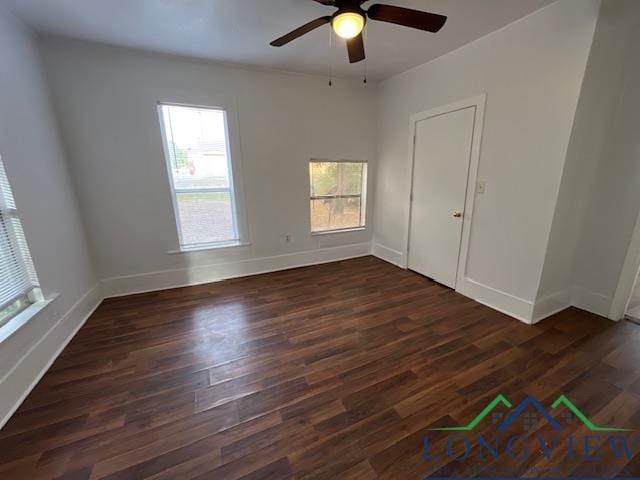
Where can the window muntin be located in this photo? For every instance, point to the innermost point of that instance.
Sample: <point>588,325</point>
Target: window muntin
<point>338,193</point>
<point>200,175</point>
<point>18,279</point>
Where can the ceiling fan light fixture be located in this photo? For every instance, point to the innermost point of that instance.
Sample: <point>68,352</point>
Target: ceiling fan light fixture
<point>348,24</point>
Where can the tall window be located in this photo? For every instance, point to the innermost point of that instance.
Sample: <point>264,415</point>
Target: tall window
<point>200,175</point>
<point>18,280</point>
<point>338,195</point>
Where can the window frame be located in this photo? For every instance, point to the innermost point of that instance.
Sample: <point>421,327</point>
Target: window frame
<point>232,189</point>
<point>362,197</point>
<point>32,296</point>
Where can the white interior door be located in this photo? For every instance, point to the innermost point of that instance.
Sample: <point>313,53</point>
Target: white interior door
<point>442,153</point>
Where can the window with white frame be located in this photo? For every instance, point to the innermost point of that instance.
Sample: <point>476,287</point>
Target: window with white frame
<point>338,195</point>
<point>18,279</point>
<point>200,175</point>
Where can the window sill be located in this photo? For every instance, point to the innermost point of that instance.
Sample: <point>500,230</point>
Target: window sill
<point>344,230</point>
<point>21,319</point>
<point>204,248</point>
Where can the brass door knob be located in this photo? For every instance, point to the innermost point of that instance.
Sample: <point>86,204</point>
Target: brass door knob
<point>457,213</point>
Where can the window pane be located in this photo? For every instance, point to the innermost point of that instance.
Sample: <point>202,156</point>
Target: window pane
<point>205,217</point>
<point>197,147</point>
<point>13,309</point>
<point>335,214</point>
<point>17,275</point>
<point>198,161</point>
<point>205,171</point>
<point>335,178</point>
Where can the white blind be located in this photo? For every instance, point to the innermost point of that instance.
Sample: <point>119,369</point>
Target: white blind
<point>17,275</point>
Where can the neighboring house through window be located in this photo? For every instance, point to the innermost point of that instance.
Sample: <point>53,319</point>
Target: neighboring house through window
<point>200,175</point>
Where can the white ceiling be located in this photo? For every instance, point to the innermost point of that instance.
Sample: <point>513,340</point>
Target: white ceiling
<point>239,31</point>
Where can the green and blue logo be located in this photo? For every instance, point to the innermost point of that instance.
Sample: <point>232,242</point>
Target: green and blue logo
<point>530,401</point>
<point>467,451</point>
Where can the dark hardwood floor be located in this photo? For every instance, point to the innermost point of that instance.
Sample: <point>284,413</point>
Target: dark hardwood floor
<point>328,372</point>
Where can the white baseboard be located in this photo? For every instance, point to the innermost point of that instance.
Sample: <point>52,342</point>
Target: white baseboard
<point>390,255</point>
<point>591,301</point>
<point>28,371</point>
<point>551,304</point>
<point>196,275</point>
<point>524,310</point>
<point>504,302</point>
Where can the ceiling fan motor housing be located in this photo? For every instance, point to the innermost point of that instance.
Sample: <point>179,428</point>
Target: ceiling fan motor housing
<point>354,6</point>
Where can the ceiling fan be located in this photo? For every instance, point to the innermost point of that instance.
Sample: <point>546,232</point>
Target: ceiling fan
<point>349,20</point>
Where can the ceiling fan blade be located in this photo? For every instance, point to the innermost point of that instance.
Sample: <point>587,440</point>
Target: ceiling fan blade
<point>326,2</point>
<point>355,47</point>
<point>298,32</point>
<point>431,22</point>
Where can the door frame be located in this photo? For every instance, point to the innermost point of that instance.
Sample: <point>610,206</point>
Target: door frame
<point>628,275</point>
<point>479,103</point>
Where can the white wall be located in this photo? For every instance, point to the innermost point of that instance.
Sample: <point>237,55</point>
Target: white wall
<point>34,158</point>
<point>600,191</point>
<point>531,71</point>
<point>106,101</point>
<point>614,201</point>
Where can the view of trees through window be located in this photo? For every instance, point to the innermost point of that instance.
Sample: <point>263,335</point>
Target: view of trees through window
<point>337,201</point>
<point>196,143</point>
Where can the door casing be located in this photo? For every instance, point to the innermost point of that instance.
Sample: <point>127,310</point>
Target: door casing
<point>479,103</point>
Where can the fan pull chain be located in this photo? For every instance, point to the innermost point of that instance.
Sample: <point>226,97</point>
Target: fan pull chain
<point>366,37</point>
<point>331,57</point>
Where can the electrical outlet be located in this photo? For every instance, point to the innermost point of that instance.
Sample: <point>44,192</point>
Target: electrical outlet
<point>287,238</point>
<point>481,187</point>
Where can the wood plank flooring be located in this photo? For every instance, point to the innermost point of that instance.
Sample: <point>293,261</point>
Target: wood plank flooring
<point>333,371</point>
